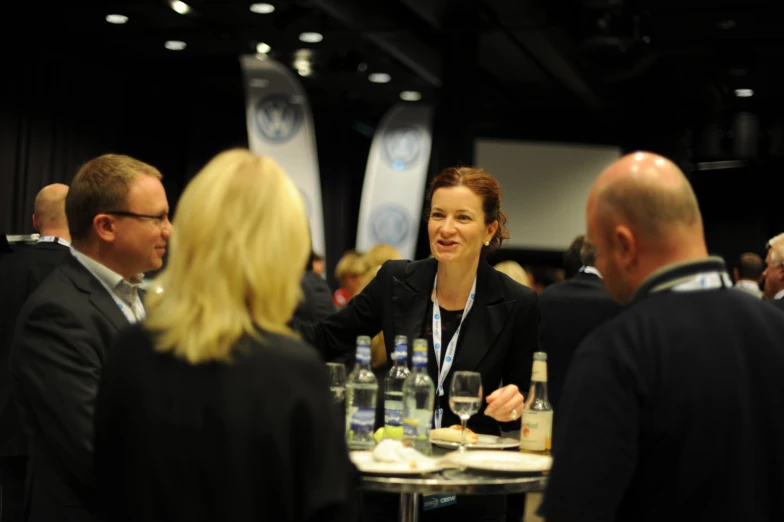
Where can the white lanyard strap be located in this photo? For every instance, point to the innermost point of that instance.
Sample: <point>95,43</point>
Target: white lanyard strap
<point>590,270</point>
<point>711,280</point>
<point>54,239</point>
<point>450,350</point>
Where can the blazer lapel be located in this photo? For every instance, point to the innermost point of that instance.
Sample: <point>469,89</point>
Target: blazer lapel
<point>485,321</point>
<point>410,297</point>
<point>86,282</point>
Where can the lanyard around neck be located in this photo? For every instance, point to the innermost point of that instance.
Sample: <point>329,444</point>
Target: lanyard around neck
<point>54,239</point>
<point>710,280</point>
<point>443,371</point>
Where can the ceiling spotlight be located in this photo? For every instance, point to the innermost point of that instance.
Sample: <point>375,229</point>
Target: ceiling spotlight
<point>116,19</point>
<point>180,7</point>
<point>175,45</point>
<point>379,77</point>
<point>263,48</point>
<point>262,8</point>
<point>410,96</point>
<point>311,37</point>
<point>304,71</point>
<point>744,93</point>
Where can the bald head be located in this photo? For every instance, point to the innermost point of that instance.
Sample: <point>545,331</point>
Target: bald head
<point>49,215</point>
<point>642,215</point>
<point>649,194</point>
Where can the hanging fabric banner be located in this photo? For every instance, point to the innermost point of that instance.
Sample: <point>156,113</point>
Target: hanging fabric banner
<point>391,207</point>
<point>280,125</point>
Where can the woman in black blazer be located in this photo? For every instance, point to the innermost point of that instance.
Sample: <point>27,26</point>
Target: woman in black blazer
<point>500,319</point>
<point>213,410</point>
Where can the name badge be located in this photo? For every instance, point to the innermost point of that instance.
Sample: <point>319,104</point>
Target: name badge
<point>430,502</point>
<point>439,414</point>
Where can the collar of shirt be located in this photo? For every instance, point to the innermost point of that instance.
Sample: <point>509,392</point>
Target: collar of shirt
<point>107,276</point>
<point>670,275</point>
<point>591,270</point>
<point>779,295</point>
<point>745,283</point>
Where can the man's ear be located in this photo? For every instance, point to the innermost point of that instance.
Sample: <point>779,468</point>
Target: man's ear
<point>104,227</point>
<point>626,246</point>
<point>35,224</point>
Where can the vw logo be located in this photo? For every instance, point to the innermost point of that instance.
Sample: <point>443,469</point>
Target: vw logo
<point>390,224</point>
<point>402,146</point>
<point>277,119</point>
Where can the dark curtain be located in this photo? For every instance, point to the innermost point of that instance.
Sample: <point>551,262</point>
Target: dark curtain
<point>58,111</point>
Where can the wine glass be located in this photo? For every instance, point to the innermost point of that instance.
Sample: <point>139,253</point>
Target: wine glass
<point>465,398</point>
<point>337,382</point>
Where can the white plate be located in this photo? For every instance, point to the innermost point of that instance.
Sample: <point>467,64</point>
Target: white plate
<point>501,461</point>
<point>484,442</point>
<point>365,462</point>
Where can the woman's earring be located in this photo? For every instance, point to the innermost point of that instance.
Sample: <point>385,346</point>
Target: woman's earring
<point>487,243</point>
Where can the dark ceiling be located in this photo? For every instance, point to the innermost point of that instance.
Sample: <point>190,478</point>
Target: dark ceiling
<point>597,66</point>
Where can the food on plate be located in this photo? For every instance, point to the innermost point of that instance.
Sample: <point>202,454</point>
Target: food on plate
<point>389,450</point>
<point>388,432</point>
<point>453,434</point>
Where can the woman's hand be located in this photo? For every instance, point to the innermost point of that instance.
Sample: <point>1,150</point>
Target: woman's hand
<point>505,404</point>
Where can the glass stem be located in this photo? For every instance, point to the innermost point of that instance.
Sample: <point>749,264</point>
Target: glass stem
<point>463,422</point>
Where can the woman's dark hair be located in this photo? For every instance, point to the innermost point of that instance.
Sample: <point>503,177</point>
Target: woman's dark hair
<point>483,185</point>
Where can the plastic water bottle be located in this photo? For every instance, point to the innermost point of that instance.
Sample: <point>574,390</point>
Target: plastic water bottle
<point>393,390</point>
<point>361,390</point>
<point>418,397</point>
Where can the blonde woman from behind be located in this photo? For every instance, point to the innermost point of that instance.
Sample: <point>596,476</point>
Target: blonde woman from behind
<point>213,409</point>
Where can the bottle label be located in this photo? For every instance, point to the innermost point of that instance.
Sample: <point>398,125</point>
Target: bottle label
<point>418,425</point>
<point>362,420</point>
<point>419,358</point>
<point>537,430</point>
<point>363,354</point>
<point>393,413</point>
<point>539,372</point>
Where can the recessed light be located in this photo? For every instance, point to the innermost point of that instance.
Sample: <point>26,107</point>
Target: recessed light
<point>744,93</point>
<point>304,71</point>
<point>410,96</point>
<point>311,37</point>
<point>263,48</point>
<point>180,7</point>
<point>175,45</point>
<point>262,8</point>
<point>116,19</point>
<point>379,77</point>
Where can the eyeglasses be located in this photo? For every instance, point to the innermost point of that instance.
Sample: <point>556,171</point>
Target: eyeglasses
<point>156,220</point>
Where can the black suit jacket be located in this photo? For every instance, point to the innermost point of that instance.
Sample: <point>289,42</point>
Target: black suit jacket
<point>778,303</point>
<point>254,439</point>
<point>20,273</point>
<point>62,335</point>
<point>498,337</point>
<point>570,311</point>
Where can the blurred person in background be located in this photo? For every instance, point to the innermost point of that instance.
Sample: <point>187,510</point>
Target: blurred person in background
<point>214,410</point>
<point>748,274</point>
<point>380,254</point>
<point>316,303</point>
<point>773,275</point>
<point>21,272</point>
<point>349,273</point>
<point>572,260</point>
<point>515,271</point>
<point>317,264</point>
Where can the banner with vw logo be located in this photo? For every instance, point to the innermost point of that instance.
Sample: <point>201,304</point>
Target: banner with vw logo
<point>280,125</point>
<point>391,207</point>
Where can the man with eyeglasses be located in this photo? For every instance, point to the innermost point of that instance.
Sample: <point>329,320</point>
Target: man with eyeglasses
<point>118,218</point>
<point>773,276</point>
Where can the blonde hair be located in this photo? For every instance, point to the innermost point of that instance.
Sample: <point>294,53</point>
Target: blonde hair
<point>515,271</point>
<point>237,257</point>
<point>380,254</point>
<point>351,264</point>
<point>777,249</point>
<point>102,185</point>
